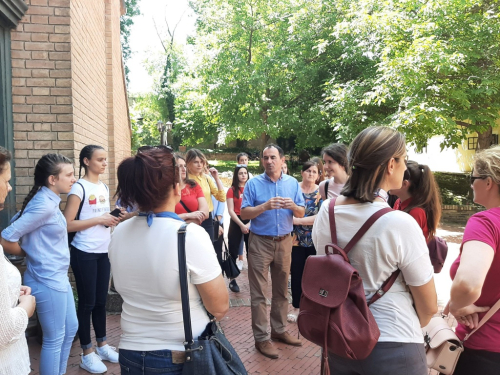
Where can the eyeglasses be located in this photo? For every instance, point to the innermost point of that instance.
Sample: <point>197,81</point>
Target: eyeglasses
<point>160,147</point>
<point>474,178</point>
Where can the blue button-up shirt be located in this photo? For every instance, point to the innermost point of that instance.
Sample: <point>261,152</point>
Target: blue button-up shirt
<point>259,190</point>
<point>43,231</point>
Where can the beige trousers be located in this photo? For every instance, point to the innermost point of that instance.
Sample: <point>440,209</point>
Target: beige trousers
<point>265,254</point>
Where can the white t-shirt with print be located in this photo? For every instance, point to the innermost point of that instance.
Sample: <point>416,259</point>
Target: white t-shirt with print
<point>146,275</point>
<point>94,239</point>
<point>394,241</point>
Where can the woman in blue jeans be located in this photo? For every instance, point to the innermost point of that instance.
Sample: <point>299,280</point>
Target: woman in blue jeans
<point>39,231</point>
<point>89,200</point>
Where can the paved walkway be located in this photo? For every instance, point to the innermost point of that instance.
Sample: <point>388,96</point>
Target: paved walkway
<point>237,327</point>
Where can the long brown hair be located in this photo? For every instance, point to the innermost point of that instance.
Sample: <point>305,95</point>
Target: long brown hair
<point>321,169</point>
<point>424,193</point>
<point>187,181</point>
<point>368,157</point>
<point>235,185</point>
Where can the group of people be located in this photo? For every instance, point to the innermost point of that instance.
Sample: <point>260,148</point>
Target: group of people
<point>39,231</point>
<point>279,221</point>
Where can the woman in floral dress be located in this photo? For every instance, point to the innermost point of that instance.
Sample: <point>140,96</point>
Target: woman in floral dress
<point>303,245</point>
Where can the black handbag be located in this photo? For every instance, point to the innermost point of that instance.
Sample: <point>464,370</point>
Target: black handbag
<point>229,267</point>
<point>211,353</point>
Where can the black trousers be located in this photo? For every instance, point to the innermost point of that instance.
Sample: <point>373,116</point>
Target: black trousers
<point>92,272</point>
<point>299,256</point>
<point>208,225</point>
<point>234,238</point>
<point>478,362</point>
<point>218,247</point>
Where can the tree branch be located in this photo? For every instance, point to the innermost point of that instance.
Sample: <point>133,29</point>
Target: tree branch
<point>463,123</point>
<point>159,37</point>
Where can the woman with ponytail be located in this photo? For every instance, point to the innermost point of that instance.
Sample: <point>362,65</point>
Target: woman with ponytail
<point>89,200</point>
<point>39,231</point>
<point>419,197</point>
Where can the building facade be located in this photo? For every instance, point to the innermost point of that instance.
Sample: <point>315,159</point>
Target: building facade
<point>62,84</point>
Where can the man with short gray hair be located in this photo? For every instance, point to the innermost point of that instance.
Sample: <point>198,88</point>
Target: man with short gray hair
<point>271,200</point>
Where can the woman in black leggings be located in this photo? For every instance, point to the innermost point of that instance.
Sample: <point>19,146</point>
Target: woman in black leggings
<point>238,228</point>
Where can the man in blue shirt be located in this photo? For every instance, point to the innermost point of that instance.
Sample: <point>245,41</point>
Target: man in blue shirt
<point>271,200</point>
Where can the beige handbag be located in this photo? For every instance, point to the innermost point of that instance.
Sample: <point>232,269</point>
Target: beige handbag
<point>443,347</point>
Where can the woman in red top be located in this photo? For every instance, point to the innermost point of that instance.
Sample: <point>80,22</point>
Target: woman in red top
<point>419,197</point>
<point>193,207</point>
<point>237,227</point>
<point>476,272</point>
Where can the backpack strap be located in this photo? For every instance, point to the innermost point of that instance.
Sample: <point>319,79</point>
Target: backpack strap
<point>360,233</point>
<point>385,287</point>
<point>81,202</point>
<point>326,189</point>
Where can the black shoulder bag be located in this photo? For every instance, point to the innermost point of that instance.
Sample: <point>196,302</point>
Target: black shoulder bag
<point>211,353</point>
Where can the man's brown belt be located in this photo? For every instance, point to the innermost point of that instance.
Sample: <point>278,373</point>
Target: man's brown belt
<point>275,238</point>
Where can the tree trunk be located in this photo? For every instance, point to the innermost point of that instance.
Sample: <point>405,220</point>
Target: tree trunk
<point>484,139</point>
<point>264,140</point>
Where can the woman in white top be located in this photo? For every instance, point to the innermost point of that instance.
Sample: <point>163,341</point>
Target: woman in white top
<point>335,167</point>
<point>377,163</point>
<point>143,254</point>
<point>89,255</point>
<point>16,302</point>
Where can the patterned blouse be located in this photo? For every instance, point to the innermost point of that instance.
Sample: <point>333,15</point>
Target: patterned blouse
<point>302,233</point>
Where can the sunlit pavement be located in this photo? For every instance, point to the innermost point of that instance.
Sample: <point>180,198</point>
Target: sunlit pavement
<point>237,327</point>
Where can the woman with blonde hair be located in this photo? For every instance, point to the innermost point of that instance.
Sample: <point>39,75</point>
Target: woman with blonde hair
<point>196,161</point>
<point>476,272</point>
<point>376,163</point>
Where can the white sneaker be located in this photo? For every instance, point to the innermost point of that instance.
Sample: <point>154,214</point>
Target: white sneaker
<point>239,264</point>
<point>107,353</point>
<point>93,364</point>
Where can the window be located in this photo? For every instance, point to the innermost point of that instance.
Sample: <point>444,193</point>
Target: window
<point>472,142</point>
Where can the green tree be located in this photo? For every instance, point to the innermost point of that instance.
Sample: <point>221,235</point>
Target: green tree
<point>126,22</point>
<point>434,68</point>
<point>146,111</point>
<point>257,72</point>
<point>323,71</point>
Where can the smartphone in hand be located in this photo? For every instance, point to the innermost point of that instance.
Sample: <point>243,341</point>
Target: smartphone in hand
<point>116,212</point>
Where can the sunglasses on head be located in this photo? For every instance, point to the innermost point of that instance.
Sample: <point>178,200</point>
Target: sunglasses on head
<point>160,147</point>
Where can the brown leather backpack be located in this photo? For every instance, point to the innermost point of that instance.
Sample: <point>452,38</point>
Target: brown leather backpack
<point>334,313</point>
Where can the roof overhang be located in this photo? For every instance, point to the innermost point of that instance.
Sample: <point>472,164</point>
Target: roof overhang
<point>11,11</point>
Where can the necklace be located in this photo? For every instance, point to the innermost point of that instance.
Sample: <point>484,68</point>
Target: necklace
<point>382,194</point>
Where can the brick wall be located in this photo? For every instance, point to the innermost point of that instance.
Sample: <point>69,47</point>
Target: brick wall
<point>119,131</point>
<point>41,87</point>
<point>88,42</point>
<point>68,87</point>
